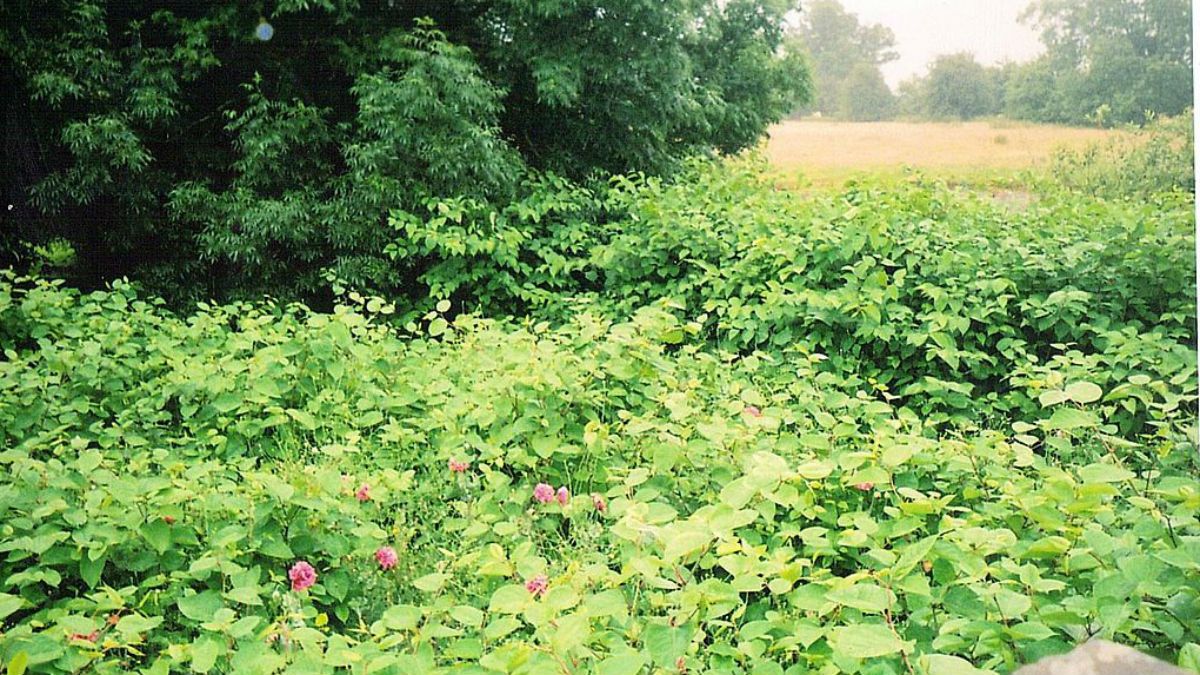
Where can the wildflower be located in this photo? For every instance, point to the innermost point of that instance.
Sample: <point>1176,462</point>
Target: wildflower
<point>170,520</point>
<point>598,502</point>
<point>564,495</point>
<point>537,585</point>
<point>363,493</point>
<point>302,575</point>
<point>386,557</point>
<point>543,493</point>
<point>752,411</point>
<point>457,466</point>
<point>865,486</point>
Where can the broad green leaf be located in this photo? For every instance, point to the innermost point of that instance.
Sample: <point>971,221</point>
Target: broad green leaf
<point>9,604</point>
<point>1083,392</point>
<point>866,641</point>
<point>1100,472</point>
<point>431,583</point>
<point>865,597</point>
<point>204,654</point>
<point>200,606</point>
<point>666,643</point>
<point>943,664</point>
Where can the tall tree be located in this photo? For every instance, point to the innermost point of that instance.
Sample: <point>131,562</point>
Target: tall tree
<point>239,146</point>
<point>837,43</point>
<point>1113,61</point>
<point>959,87</point>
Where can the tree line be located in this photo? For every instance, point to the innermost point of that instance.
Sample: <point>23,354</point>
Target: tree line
<point>1105,62</point>
<point>230,148</point>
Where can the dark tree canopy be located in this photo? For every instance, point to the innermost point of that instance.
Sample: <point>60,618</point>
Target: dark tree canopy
<point>219,148</point>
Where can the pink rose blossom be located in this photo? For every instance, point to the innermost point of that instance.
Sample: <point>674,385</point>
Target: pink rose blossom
<point>865,486</point>
<point>564,495</point>
<point>363,493</point>
<point>457,466</point>
<point>543,493</point>
<point>753,411</point>
<point>599,503</point>
<point>302,575</point>
<point>386,557</point>
<point>537,585</point>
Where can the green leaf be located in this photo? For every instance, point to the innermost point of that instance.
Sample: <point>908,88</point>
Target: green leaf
<point>9,604</point>
<point>1101,472</point>
<point>247,595</point>
<point>942,664</point>
<point>1065,419</point>
<point>629,663</point>
<point>18,663</point>
<point>1083,392</point>
<point>200,606</point>
<point>684,541</point>
<point>204,654</point>
<point>863,597</point>
<point>131,625</point>
<point>431,583</point>
<point>510,599</point>
<point>666,643</point>
<point>866,641</point>
<point>158,533</point>
<point>90,570</point>
<point>1189,657</point>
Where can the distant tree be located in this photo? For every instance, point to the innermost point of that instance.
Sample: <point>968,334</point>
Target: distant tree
<point>959,87</point>
<point>837,44</point>
<point>1032,93</point>
<point>864,96</point>
<point>1111,60</point>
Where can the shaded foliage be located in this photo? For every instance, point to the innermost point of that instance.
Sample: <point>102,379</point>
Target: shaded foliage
<point>226,149</point>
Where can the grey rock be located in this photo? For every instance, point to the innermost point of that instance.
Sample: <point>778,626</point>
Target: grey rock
<point>1100,657</point>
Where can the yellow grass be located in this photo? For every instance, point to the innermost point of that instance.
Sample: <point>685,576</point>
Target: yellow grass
<point>825,152</point>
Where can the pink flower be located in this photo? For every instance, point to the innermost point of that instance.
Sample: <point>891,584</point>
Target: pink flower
<point>459,467</point>
<point>537,585</point>
<point>302,575</point>
<point>363,493</point>
<point>386,557</point>
<point>598,502</point>
<point>543,493</point>
<point>752,411</point>
<point>865,486</point>
<point>564,495</point>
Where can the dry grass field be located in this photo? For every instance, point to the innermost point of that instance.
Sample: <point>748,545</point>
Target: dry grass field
<point>824,152</point>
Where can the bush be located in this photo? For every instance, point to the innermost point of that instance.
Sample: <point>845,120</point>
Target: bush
<point>225,150</point>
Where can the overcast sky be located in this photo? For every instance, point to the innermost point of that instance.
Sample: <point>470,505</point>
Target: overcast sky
<point>927,28</point>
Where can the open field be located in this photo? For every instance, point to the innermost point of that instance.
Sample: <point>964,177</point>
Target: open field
<point>824,152</point>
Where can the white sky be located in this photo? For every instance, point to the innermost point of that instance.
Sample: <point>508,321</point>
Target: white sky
<point>927,28</point>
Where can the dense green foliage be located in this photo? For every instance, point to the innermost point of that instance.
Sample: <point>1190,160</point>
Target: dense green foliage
<point>881,431</point>
<point>1109,61</point>
<point>956,87</point>
<point>227,149</point>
